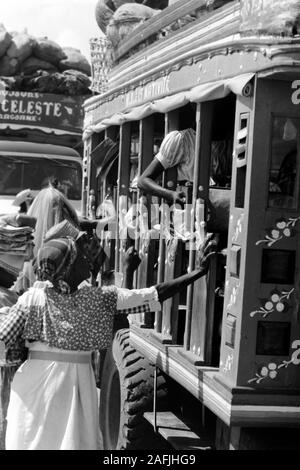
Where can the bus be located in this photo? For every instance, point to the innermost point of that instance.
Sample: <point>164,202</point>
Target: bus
<point>218,366</point>
<point>29,165</point>
<point>40,139</point>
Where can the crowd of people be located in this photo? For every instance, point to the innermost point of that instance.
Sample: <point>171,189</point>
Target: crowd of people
<point>61,315</point>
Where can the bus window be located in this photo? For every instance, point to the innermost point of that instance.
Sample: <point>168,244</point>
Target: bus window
<point>283,184</point>
<point>221,162</point>
<point>18,173</point>
<point>134,155</point>
<point>222,142</point>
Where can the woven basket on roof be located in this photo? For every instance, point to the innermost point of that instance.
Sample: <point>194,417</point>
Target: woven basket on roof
<point>101,62</point>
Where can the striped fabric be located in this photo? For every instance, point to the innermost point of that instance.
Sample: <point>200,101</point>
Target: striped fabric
<point>178,148</point>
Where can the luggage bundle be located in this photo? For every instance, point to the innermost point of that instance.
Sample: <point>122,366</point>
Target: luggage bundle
<point>16,246</point>
<point>39,64</point>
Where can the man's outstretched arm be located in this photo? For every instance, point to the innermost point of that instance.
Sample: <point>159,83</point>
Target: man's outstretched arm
<point>170,288</point>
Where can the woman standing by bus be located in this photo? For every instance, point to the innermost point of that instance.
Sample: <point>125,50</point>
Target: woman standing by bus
<point>53,402</point>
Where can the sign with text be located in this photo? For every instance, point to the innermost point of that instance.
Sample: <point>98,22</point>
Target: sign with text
<point>42,110</point>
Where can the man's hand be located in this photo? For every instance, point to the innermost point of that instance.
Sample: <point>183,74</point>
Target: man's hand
<point>178,198</point>
<point>131,259</point>
<point>207,249</point>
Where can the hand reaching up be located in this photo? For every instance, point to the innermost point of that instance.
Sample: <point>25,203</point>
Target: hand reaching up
<point>131,259</point>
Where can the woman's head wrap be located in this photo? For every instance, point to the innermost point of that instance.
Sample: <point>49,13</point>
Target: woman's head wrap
<point>53,262</point>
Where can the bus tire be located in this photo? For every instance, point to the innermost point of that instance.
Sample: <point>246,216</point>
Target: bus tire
<point>126,393</point>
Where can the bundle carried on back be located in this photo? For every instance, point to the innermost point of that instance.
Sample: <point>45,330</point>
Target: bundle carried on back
<point>16,246</point>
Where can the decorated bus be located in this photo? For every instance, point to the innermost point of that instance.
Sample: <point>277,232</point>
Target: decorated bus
<point>197,133</point>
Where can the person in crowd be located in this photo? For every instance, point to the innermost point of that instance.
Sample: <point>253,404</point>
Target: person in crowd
<point>85,237</point>
<point>106,212</point>
<point>49,207</point>
<point>53,402</point>
<point>177,149</point>
<point>50,181</point>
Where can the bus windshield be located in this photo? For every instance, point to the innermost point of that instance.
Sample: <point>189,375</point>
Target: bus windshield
<point>22,172</point>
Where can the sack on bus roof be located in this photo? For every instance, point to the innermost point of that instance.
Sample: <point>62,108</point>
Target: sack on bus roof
<point>81,77</point>
<point>32,64</point>
<point>10,83</point>
<point>8,66</point>
<point>44,82</point>
<point>133,11</point>
<point>73,83</point>
<point>48,50</point>
<point>128,17</point>
<point>74,60</point>
<point>104,11</point>
<point>21,46</point>
<point>5,41</point>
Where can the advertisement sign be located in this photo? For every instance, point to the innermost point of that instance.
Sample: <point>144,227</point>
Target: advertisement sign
<point>42,110</point>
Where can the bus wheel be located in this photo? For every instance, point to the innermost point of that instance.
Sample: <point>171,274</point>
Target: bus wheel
<point>126,393</point>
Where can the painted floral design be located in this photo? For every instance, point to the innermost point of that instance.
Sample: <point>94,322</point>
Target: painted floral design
<point>278,302</point>
<point>271,370</point>
<point>282,229</point>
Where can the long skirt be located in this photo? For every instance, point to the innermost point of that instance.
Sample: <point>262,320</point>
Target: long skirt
<point>53,405</point>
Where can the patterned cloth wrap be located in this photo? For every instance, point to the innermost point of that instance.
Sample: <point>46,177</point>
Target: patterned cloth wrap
<point>53,262</point>
<point>89,243</point>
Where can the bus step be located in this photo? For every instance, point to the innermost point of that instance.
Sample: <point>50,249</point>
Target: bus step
<point>177,433</point>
